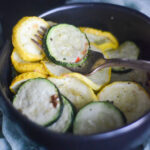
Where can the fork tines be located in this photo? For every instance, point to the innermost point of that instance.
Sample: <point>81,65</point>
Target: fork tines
<point>40,32</point>
<point>43,28</point>
<point>37,43</point>
<point>38,37</point>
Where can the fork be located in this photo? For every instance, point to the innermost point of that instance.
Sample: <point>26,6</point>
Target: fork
<point>39,36</point>
<point>96,61</point>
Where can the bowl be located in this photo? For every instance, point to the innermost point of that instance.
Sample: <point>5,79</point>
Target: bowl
<point>125,24</point>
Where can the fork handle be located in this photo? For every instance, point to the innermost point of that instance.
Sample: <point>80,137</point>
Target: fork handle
<point>135,64</point>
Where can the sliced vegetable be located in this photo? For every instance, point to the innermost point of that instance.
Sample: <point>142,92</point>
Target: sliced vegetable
<point>112,38</point>
<point>100,78</point>
<point>103,47</point>
<point>51,23</point>
<point>138,76</point>
<point>39,100</point>
<point>126,50</point>
<point>53,69</point>
<point>98,117</point>
<point>26,35</point>
<point>66,119</point>
<point>129,97</point>
<point>77,91</point>
<point>100,39</point>
<point>24,66</point>
<point>96,80</point>
<point>94,35</point>
<point>18,80</point>
<point>64,44</point>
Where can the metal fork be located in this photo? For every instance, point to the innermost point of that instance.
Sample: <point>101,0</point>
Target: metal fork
<point>39,36</point>
<point>96,61</point>
<point>40,33</point>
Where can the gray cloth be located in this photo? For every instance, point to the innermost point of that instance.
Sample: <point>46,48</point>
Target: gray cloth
<point>12,139</point>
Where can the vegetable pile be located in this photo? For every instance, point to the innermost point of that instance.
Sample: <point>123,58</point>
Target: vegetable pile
<point>63,101</point>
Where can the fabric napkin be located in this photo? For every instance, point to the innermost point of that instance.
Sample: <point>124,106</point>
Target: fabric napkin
<point>11,138</point>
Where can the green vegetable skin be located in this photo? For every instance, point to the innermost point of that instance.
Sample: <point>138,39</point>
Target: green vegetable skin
<point>66,119</point>
<point>47,42</point>
<point>98,117</point>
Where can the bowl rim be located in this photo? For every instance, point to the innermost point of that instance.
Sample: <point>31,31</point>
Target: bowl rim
<point>94,4</point>
<point>106,135</point>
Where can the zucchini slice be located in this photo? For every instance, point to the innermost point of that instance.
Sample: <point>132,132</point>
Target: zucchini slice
<point>39,100</point>
<point>127,50</point>
<point>75,89</point>
<point>137,76</point>
<point>66,119</point>
<point>21,78</point>
<point>25,32</point>
<point>66,45</point>
<point>98,117</point>
<point>129,97</point>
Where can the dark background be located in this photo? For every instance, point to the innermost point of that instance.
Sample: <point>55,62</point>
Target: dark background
<point>12,10</point>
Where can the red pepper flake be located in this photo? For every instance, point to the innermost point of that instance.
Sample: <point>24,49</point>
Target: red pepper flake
<point>54,100</point>
<point>77,60</point>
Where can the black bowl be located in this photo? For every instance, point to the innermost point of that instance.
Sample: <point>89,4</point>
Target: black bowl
<point>125,24</point>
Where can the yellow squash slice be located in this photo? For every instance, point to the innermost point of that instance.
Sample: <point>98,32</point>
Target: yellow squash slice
<point>97,80</point>
<point>22,66</point>
<point>100,39</point>
<point>74,89</point>
<point>25,33</point>
<point>51,23</point>
<point>129,97</point>
<point>54,69</point>
<point>104,47</point>
<point>18,80</point>
<point>100,78</point>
